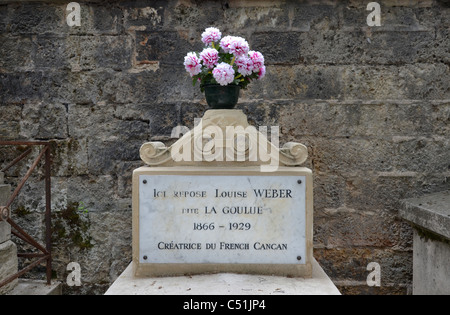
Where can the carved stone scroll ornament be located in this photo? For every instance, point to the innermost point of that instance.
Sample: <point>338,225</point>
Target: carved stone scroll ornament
<point>155,153</point>
<point>199,138</point>
<point>293,154</point>
<point>4,213</point>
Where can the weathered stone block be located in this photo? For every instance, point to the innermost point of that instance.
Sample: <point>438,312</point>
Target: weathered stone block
<point>95,263</point>
<point>124,173</point>
<point>161,125</point>
<point>85,87</point>
<point>166,91</point>
<point>5,191</point>
<point>191,14</point>
<point>8,264</point>
<point>114,119</point>
<point>107,19</point>
<point>347,119</point>
<point>144,17</point>
<point>96,19</point>
<point>33,18</point>
<point>320,16</point>
<point>88,53</point>
<point>19,87</point>
<point>345,227</point>
<point>128,87</point>
<point>344,263</point>
<point>5,232</point>
<point>422,81</point>
<point>302,82</point>
<point>440,116</point>
<point>70,157</point>
<point>257,17</point>
<point>95,191</point>
<point>421,154</point>
<point>167,47</point>
<point>190,111</point>
<point>44,121</point>
<point>375,191</point>
<point>263,113</point>
<point>328,190</point>
<point>9,122</point>
<point>104,155</point>
<point>427,81</point>
<point>15,52</point>
<point>352,155</point>
<point>278,47</point>
<point>51,52</point>
<point>358,46</point>
<point>3,18</point>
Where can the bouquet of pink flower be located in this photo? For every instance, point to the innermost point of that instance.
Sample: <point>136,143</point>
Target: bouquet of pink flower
<point>224,61</point>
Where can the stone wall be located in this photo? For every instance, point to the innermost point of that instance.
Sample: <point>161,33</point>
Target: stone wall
<point>371,103</point>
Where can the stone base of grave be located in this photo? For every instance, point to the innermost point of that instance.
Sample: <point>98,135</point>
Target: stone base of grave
<point>36,287</point>
<point>8,250</point>
<point>430,217</point>
<point>224,284</point>
<point>8,264</point>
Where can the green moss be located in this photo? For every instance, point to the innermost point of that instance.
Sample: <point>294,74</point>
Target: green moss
<point>21,211</point>
<point>70,226</point>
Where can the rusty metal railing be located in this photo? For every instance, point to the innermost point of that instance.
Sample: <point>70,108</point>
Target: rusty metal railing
<point>45,251</point>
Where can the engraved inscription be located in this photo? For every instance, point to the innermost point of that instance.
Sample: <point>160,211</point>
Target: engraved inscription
<point>222,219</point>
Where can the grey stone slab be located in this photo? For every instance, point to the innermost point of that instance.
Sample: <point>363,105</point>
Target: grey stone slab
<point>5,228</point>
<point>431,212</point>
<point>5,191</point>
<point>36,287</point>
<point>431,267</point>
<point>224,284</point>
<point>8,264</point>
<point>5,232</point>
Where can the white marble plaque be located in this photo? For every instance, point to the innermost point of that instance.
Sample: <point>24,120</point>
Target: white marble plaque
<point>222,219</point>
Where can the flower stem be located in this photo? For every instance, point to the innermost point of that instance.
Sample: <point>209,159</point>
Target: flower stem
<point>233,60</point>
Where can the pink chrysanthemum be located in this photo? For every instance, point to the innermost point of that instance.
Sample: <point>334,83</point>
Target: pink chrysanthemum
<point>192,64</point>
<point>258,60</point>
<point>225,43</point>
<point>210,57</point>
<point>211,35</point>
<point>238,46</point>
<point>262,72</point>
<point>224,74</point>
<point>245,65</point>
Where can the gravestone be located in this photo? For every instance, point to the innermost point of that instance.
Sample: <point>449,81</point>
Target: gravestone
<point>8,250</point>
<point>223,198</point>
<point>429,215</point>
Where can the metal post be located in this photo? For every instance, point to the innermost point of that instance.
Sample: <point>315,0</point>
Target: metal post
<point>48,211</point>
